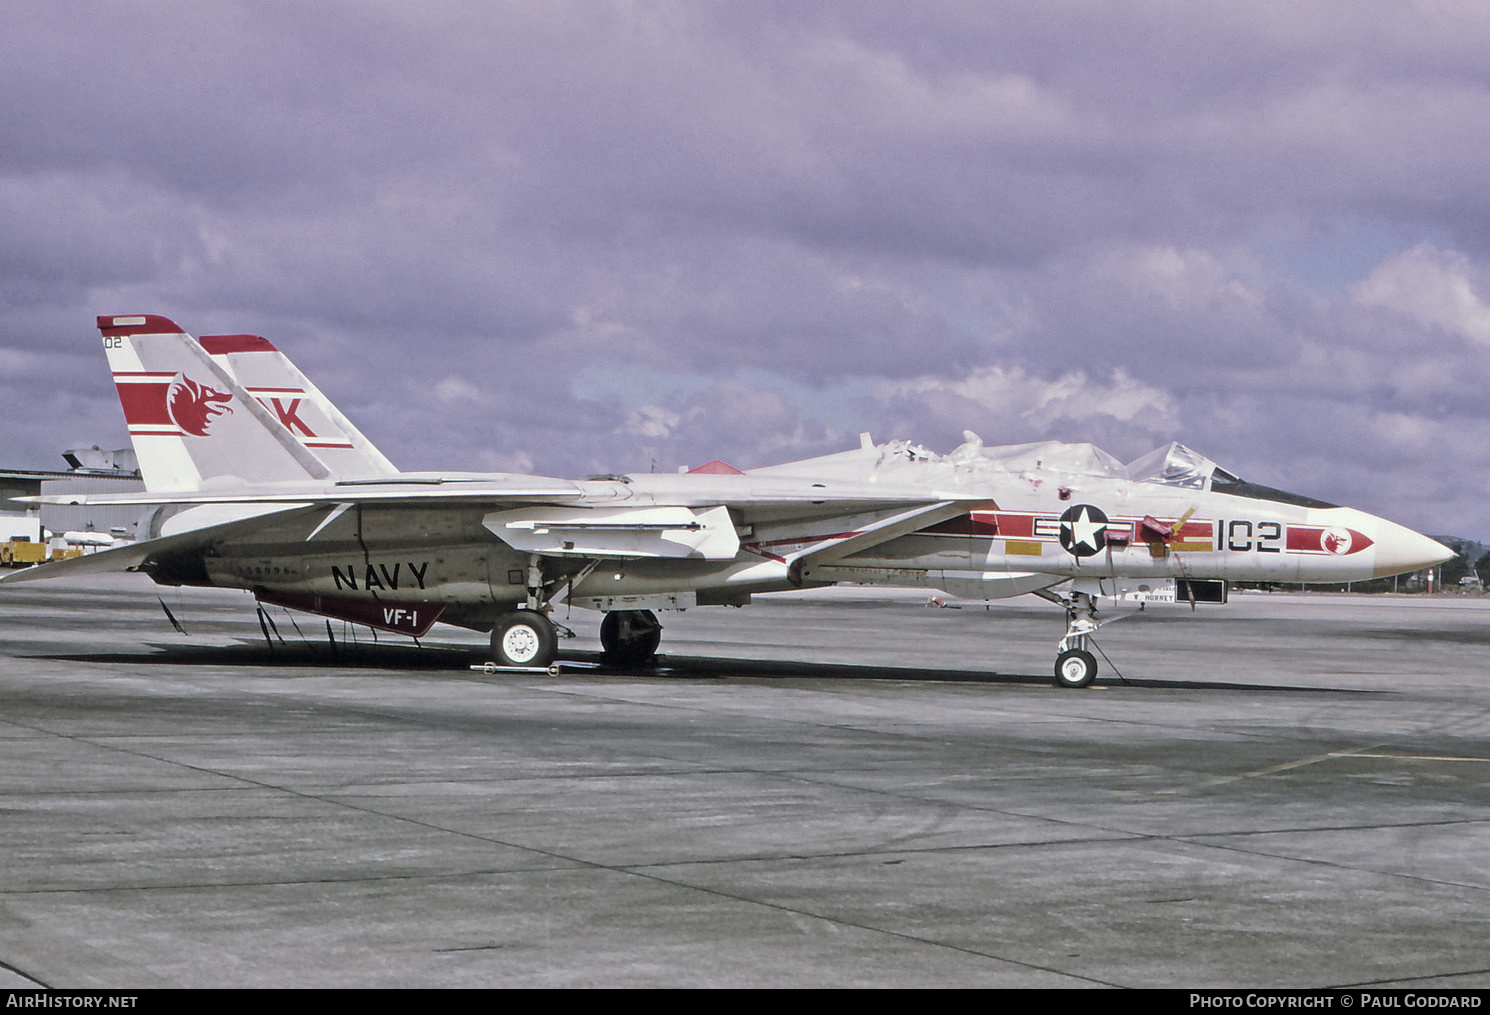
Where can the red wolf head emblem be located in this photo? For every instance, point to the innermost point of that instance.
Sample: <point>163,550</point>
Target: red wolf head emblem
<point>194,406</point>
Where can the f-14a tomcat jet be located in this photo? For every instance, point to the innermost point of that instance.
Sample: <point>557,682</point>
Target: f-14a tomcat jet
<point>255,481</point>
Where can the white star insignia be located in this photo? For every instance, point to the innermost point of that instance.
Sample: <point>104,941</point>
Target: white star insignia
<point>1085,531</point>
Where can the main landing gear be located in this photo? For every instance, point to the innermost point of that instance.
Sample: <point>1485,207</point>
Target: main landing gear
<point>524,638</point>
<point>527,638</point>
<point>630,638</point>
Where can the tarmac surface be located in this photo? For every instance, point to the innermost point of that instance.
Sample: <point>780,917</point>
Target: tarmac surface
<point>1289,791</point>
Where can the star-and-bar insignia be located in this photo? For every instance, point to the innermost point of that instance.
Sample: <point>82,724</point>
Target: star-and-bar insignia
<point>1083,530</point>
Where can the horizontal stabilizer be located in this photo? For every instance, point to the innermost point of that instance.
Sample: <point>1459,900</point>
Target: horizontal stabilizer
<point>132,556</point>
<point>219,516</point>
<point>486,490</point>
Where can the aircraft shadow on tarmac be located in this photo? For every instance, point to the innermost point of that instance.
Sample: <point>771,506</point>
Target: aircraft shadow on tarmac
<point>460,659</point>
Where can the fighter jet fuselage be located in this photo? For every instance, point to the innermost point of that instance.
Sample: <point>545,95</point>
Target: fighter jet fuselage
<point>256,481</point>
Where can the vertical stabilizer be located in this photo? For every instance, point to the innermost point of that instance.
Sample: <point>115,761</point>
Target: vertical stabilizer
<point>268,375</point>
<point>192,425</point>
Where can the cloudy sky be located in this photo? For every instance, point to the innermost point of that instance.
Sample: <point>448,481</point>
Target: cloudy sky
<point>612,236</point>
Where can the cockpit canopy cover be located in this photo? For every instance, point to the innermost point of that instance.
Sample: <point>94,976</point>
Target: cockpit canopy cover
<point>1072,459</point>
<point>1176,465</point>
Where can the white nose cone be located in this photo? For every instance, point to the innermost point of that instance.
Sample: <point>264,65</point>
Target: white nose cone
<point>1399,550</point>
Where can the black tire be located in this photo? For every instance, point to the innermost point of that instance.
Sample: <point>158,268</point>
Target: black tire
<point>630,638</point>
<point>1075,668</point>
<point>523,638</point>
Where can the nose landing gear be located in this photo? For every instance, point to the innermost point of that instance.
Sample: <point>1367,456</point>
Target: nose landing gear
<point>1075,668</point>
<point>1075,665</point>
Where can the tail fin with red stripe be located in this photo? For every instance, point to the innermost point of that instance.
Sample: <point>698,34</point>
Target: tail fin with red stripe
<point>268,375</point>
<point>192,425</point>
